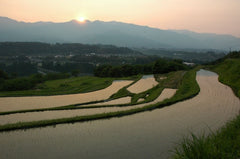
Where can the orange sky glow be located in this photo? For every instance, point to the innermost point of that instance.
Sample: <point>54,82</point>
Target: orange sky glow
<point>210,16</point>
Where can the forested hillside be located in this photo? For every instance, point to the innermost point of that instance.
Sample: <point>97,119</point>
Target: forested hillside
<point>37,48</point>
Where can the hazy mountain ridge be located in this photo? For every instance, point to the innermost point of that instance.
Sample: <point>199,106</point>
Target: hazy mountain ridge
<point>115,33</point>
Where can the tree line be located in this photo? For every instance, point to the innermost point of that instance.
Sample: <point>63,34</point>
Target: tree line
<point>37,48</point>
<point>158,67</point>
<point>9,83</point>
<point>68,67</point>
<point>233,54</point>
<point>19,68</point>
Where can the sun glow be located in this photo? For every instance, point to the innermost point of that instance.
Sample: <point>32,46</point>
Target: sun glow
<point>81,19</point>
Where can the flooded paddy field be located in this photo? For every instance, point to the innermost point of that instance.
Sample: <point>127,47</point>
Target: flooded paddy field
<point>150,134</point>
<point>35,116</point>
<point>147,82</point>
<point>24,103</point>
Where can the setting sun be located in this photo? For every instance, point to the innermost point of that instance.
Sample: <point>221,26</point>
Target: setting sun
<point>81,19</point>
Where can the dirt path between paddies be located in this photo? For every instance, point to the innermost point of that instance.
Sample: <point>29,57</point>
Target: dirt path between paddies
<point>147,82</point>
<point>35,116</point>
<point>24,103</point>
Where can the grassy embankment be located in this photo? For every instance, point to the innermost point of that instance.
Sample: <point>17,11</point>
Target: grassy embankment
<point>66,86</point>
<point>225,143</point>
<point>188,88</point>
<point>229,74</point>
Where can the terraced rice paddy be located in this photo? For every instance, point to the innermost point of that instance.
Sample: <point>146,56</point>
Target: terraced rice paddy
<point>24,103</point>
<point>35,116</point>
<point>144,135</point>
<point>143,84</point>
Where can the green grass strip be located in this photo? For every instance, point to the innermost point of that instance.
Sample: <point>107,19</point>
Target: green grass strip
<point>123,92</point>
<point>229,74</point>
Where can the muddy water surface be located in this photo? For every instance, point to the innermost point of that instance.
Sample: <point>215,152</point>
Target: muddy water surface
<point>143,135</point>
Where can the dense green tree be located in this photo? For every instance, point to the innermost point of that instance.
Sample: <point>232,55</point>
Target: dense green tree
<point>30,82</point>
<point>20,68</point>
<point>75,73</point>
<point>3,75</point>
<point>158,67</point>
<point>36,48</point>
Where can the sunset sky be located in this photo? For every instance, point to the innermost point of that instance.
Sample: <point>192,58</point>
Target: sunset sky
<point>211,16</point>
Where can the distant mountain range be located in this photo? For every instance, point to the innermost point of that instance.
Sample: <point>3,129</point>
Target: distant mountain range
<point>114,33</point>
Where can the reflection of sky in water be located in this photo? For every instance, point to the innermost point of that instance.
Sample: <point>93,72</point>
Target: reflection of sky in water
<point>202,72</point>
